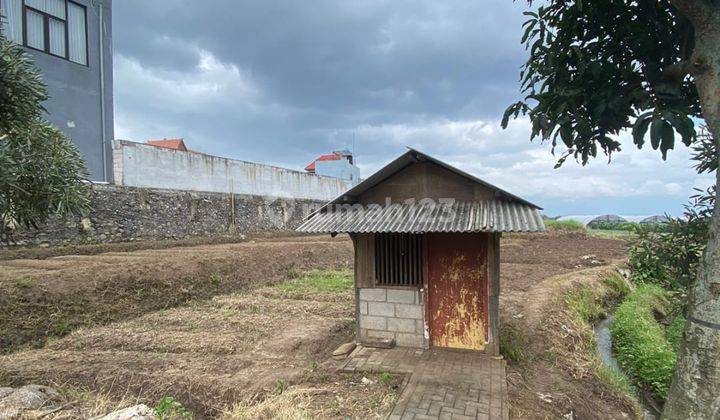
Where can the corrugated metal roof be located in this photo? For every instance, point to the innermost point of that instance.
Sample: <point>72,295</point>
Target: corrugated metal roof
<point>413,156</point>
<point>476,216</point>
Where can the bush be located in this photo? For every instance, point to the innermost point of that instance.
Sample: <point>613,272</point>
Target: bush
<point>608,225</point>
<point>41,171</point>
<point>642,346</point>
<point>565,225</point>
<point>669,255</point>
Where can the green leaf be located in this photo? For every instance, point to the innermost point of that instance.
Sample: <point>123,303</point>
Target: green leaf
<point>656,132</point>
<point>530,27</point>
<point>566,134</point>
<point>668,139</point>
<point>639,129</point>
<point>683,125</point>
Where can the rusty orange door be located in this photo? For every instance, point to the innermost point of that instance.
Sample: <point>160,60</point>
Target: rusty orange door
<point>457,283</point>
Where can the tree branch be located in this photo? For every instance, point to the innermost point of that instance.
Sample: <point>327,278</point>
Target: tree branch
<point>679,70</point>
<point>695,10</point>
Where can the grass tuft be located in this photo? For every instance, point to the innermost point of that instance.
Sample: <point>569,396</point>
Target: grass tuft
<point>585,303</point>
<point>319,281</point>
<point>565,225</point>
<point>615,379</point>
<point>514,343</point>
<point>24,282</point>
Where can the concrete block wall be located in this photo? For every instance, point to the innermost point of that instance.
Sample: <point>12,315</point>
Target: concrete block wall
<point>119,214</point>
<point>392,313</point>
<point>146,166</point>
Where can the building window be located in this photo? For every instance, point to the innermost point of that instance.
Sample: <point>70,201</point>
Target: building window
<point>56,27</point>
<point>398,259</point>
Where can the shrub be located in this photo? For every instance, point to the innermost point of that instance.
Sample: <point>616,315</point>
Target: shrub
<point>608,225</point>
<point>565,225</point>
<point>41,171</point>
<point>669,256</point>
<point>643,349</point>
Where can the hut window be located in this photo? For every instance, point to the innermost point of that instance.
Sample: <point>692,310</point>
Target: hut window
<point>398,259</point>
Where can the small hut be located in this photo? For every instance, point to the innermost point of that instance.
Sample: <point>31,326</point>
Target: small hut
<point>426,237</point>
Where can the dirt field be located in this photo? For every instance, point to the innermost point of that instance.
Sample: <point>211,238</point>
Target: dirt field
<point>53,296</point>
<point>214,326</point>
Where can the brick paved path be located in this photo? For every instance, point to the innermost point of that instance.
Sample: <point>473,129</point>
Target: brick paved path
<point>442,384</point>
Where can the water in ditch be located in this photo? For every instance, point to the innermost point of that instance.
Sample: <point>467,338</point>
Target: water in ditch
<point>604,349</point>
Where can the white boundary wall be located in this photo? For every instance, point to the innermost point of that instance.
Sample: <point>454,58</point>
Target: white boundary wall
<point>142,165</point>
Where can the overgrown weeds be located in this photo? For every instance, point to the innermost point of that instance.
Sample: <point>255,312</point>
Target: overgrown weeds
<point>668,255</point>
<point>587,304</point>
<point>643,348</point>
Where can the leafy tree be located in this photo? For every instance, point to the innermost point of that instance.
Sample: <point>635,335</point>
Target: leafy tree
<point>41,171</point>
<point>596,68</point>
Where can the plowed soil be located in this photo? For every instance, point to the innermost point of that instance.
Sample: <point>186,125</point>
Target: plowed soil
<point>204,324</point>
<point>44,298</point>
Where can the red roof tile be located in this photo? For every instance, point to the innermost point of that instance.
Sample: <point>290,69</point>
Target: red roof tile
<point>175,144</point>
<point>331,156</point>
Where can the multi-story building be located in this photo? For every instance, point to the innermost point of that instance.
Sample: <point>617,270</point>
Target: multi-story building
<point>71,42</point>
<point>338,164</point>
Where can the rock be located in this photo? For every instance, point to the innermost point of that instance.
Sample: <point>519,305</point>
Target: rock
<point>569,416</point>
<point>27,398</point>
<point>85,224</point>
<point>344,349</point>
<point>366,381</point>
<point>5,391</point>
<point>379,343</point>
<point>137,412</point>
<point>547,398</point>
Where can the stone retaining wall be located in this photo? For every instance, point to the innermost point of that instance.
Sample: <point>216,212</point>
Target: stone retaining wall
<point>121,214</point>
<point>392,313</point>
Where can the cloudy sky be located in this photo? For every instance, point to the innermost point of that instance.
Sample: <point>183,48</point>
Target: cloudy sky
<point>281,82</point>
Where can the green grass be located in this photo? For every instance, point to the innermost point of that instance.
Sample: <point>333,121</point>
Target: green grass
<point>585,304</point>
<point>642,346</point>
<point>615,379</point>
<point>319,281</point>
<point>674,332</point>
<point>590,305</point>
<point>514,343</point>
<point>24,282</point>
<point>565,225</point>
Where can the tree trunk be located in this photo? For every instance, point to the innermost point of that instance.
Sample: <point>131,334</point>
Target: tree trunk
<point>695,390</point>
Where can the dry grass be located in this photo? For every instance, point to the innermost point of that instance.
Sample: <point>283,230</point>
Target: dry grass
<point>334,396</point>
<point>41,299</point>
<point>564,364</point>
<point>207,355</point>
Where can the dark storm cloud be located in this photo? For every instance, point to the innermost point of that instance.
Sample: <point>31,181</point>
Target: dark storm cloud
<point>378,60</point>
<point>282,81</point>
